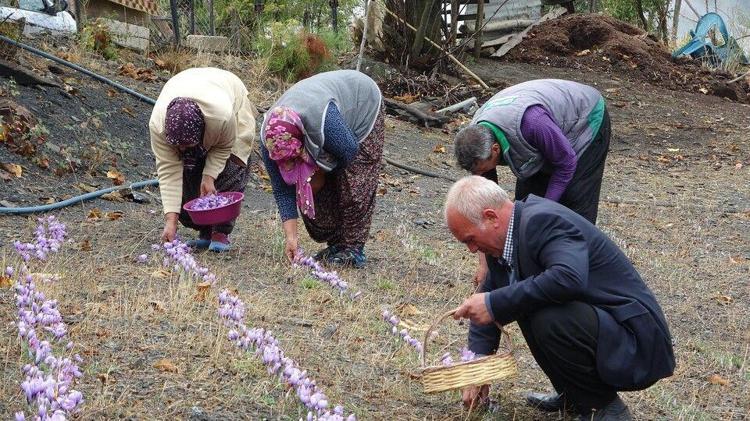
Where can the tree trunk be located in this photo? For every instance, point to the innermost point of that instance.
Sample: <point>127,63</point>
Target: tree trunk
<point>676,19</point>
<point>662,15</point>
<point>641,15</point>
<point>424,26</point>
<point>478,29</point>
<point>592,6</point>
<point>306,18</point>
<point>454,22</point>
<point>335,14</point>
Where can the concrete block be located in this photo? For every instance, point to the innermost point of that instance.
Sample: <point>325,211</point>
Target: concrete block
<point>128,35</point>
<point>207,43</point>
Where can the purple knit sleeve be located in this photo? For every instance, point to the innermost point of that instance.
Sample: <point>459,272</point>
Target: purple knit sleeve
<point>540,130</point>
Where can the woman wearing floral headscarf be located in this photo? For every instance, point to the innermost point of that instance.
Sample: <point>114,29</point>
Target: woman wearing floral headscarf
<point>322,144</point>
<point>202,132</point>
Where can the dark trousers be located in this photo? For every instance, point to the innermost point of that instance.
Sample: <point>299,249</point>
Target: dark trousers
<point>582,193</point>
<point>234,177</point>
<point>563,340</point>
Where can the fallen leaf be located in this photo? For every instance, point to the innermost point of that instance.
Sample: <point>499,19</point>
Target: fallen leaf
<point>14,169</point>
<point>111,93</point>
<point>128,111</point>
<point>738,165</point>
<point>673,149</point>
<point>114,196</point>
<point>439,148</point>
<point>157,306</point>
<point>160,63</point>
<point>85,245</point>
<point>94,213</point>
<point>87,188</point>
<point>717,379</point>
<point>161,273</point>
<point>116,177</point>
<point>703,90</point>
<point>103,377</point>
<point>409,310</point>
<point>166,366</point>
<point>114,215</point>
<point>583,53</point>
<point>203,289</point>
<point>70,89</point>
<point>406,98</point>
<point>5,281</point>
<point>724,299</point>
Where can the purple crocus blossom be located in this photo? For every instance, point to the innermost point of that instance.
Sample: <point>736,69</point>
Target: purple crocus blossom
<point>393,320</point>
<point>178,256</point>
<point>318,272</point>
<point>211,201</point>
<point>266,347</point>
<point>49,378</point>
<point>48,237</point>
<point>464,353</point>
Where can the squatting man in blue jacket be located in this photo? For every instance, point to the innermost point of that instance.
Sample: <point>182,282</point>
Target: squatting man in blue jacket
<point>590,321</point>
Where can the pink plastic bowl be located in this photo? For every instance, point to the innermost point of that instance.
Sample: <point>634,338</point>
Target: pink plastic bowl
<point>218,215</point>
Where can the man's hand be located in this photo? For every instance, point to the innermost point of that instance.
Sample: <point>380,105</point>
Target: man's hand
<point>475,396</point>
<point>170,227</point>
<point>482,269</point>
<point>207,185</point>
<point>475,309</point>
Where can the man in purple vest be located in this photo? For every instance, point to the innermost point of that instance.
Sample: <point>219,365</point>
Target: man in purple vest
<point>552,134</point>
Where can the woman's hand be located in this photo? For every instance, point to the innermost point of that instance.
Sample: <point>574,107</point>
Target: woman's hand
<point>291,242</point>
<point>170,227</point>
<point>290,248</point>
<point>207,185</point>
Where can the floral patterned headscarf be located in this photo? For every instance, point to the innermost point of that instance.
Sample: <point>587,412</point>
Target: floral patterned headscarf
<point>184,126</point>
<point>284,140</point>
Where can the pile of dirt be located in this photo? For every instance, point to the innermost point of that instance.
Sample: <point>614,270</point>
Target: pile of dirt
<point>601,43</point>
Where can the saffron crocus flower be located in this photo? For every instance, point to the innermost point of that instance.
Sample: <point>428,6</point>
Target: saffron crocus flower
<point>178,256</point>
<point>317,271</point>
<point>393,320</point>
<point>49,377</point>
<point>211,201</point>
<point>264,345</point>
<point>464,353</point>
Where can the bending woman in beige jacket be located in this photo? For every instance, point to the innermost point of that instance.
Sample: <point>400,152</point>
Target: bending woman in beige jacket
<point>202,132</point>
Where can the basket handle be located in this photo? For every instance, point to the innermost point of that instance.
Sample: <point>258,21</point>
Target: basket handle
<point>504,335</point>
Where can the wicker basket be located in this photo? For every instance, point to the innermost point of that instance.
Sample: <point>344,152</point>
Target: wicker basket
<point>483,370</point>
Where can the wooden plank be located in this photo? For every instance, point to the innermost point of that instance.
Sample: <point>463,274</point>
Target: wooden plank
<point>553,14</point>
<point>498,41</point>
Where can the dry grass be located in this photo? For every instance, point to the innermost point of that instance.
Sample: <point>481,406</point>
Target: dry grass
<point>125,317</point>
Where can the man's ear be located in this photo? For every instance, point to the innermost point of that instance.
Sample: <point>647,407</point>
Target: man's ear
<point>491,215</point>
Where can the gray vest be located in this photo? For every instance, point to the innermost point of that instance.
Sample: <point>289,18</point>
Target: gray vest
<point>356,96</point>
<point>576,108</point>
